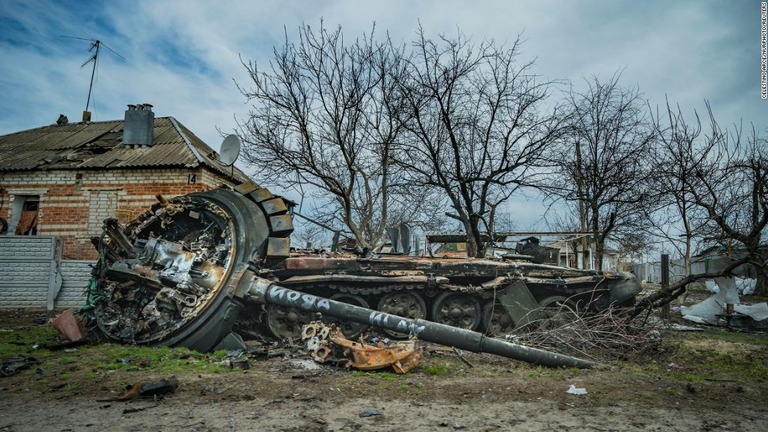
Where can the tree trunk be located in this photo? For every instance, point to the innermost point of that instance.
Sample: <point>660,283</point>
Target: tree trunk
<point>471,246</point>
<point>475,241</point>
<point>761,287</point>
<point>599,246</point>
<point>584,253</point>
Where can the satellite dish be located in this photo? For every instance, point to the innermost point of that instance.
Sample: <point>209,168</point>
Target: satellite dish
<point>230,150</point>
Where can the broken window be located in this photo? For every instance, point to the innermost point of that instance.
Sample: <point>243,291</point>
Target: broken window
<point>25,212</point>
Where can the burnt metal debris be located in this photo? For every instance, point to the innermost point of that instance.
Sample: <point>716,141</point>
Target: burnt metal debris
<point>188,270</point>
<point>326,344</point>
<point>150,389</point>
<point>13,366</point>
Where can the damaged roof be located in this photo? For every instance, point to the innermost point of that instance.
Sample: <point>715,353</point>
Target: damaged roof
<point>99,145</point>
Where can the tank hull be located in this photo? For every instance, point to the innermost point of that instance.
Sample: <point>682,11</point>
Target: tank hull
<point>175,276</point>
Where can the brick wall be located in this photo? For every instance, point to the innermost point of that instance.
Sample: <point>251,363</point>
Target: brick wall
<point>73,204</point>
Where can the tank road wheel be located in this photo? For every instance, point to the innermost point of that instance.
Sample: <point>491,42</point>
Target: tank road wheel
<point>405,304</point>
<point>457,310</point>
<point>558,311</point>
<point>287,323</point>
<point>496,320</point>
<point>349,329</point>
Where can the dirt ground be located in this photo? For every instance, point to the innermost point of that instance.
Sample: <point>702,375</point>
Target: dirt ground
<point>443,393</point>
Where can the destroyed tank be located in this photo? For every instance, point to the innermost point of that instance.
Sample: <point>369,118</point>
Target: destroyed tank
<point>182,273</point>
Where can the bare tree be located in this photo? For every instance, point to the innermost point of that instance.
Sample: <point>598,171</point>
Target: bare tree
<point>309,235</point>
<point>326,114</point>
<point>603,163</point>
<point>732,190</point>
<point>678,153</point>
<point>477,126</point>
<point>568,221</point>
<point>717,182</point>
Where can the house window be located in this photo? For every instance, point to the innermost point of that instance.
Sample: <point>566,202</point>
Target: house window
<point>24,215</point>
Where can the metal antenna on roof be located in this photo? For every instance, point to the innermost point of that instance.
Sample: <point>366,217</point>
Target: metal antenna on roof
<point>95,48</point>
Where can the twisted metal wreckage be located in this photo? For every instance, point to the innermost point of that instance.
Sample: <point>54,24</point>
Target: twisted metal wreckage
<point>191,269</point>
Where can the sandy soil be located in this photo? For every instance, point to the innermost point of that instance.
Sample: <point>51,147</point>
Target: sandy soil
<point>294,394</point>
<point>281,402</point>
<point>401,414</point>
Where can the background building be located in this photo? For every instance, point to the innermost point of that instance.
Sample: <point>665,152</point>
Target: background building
<point>59,182</point>
<point>63,180</point>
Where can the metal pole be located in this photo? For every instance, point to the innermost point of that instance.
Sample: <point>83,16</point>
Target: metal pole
<point>665,283</point>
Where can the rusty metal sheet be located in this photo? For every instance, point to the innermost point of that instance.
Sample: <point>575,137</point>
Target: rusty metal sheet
<point>323,341</point>
<point>69,327</point>
<point>318,262</point>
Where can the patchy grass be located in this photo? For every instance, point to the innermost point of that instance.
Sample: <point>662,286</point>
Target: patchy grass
<point>22,342</point>
<point>412,388</point>
<point>697,287</point>
<point>52,366</point>
<point>718,355</point>
<point>717,364</point>
<point>437,369</point>
<point>387,376</point>
<point>379,374</point>
<point>163,359</point>
<point>540,372</point>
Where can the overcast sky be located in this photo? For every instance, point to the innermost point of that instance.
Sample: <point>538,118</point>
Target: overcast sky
<point>183,57</point>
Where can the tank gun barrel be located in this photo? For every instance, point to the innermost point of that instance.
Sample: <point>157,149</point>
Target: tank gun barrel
<point>265,291</point>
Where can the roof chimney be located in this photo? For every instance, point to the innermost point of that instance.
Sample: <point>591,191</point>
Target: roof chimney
<point>139,127</point>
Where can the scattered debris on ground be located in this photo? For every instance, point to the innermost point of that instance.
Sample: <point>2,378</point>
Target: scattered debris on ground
<point>326,343</point>
<point>70,327</point>
<point>724,307</point>
<point>716,371</point>
<point>576,390</point>
<point>15,365</point>
<point>151,389</point>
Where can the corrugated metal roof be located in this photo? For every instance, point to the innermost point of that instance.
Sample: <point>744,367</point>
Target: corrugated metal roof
<point>98,145</point>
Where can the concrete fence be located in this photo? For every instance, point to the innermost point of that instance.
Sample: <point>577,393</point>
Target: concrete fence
<point>651,271</point>
<point>33,275</point>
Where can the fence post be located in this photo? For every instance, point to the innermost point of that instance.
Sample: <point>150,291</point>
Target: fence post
<point>665,283</point>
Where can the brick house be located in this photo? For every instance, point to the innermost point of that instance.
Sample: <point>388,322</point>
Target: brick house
<point>63,180</point>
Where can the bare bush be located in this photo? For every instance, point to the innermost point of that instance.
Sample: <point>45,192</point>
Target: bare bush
<point>608,335</point>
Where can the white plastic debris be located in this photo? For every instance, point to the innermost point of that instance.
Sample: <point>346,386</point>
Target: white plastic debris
<point>576,390</point>
<point>303,364</point>
<point>710,310</point>
<point>746,286</point>
<point>757,312</point>
<point>705,312</point>
<point>728,292</point>
<point>680,327</point>
<point>712,286</point>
